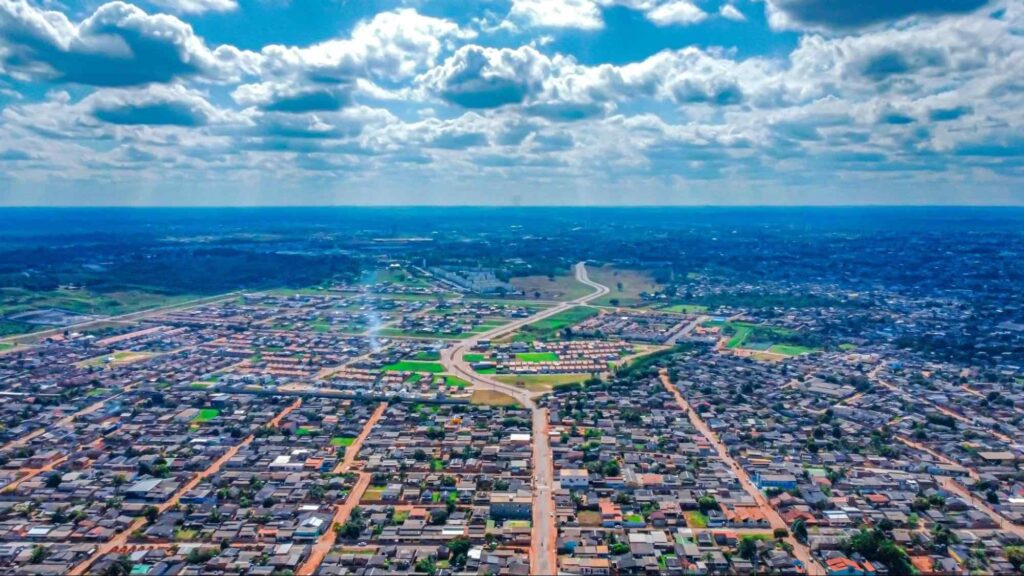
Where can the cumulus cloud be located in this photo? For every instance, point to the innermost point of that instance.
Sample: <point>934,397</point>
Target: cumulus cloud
<point>286,97</point>
<point>582,14</point>
<point>679,12</point>
<point>839,15</point>
<point>391,46</point>
<point>155,105</point>
<point>482,77</point>
<point>196,6</point>
<point>118,45</point>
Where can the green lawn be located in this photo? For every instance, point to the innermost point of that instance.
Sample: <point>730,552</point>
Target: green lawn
<point>303,432</point>
<point>847,347</point>
<point>474,357</point>
<point>696,520</point>
<point>428,356</point>
<point>414,366</point>
<point>342,441</point>
<point>6,346</point>
<point>537,357</point>
<point>206,414</point>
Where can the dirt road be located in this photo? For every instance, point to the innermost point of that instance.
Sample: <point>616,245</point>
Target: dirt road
<point>122,538</point>
<point>801,551</point>
<point>342,512</point>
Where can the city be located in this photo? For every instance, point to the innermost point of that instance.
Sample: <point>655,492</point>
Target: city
<point>431,418</point>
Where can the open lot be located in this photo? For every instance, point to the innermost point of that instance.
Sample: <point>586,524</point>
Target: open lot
<point>625,285</point>
<point>550,326</point>
<point>414,366</point>
<point>541,382</point>
<point>492,398</point>
<point>561,287</point>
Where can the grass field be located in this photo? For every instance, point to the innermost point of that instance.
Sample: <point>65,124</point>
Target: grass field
<point>537,357</point>
<point>549,327</point>
<point>541,382</point>
<point>205,415</point>
<point>686,308</point>
<point>414,366</point>
<point>742,334</point>
<point>561,287</point>
<point>847,347</point>
<point>6,346</point>
<point>453,382</point>
<point>790,349</point>
<point>696,520</point>
<point>625,284</point>
<point>492,398</point>
<point>473,357</point>
<point>427,356</point>
<point>342,441</point>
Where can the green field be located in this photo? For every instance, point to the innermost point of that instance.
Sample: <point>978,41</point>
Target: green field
<point>474,357</point>
<point>395,332</point>
<point>537,357</point>
<point>847,347</point>
<point>342,441</point>
<point>763,338</point>
<point>300,432</point>
<point>549,327</point>
<point>205,415</point>
<point>454,382</point>
<point>6,346</point>
<point>428,356</point>
<point>414,366</point>
<point>686,308</point>
<point>790,349</point>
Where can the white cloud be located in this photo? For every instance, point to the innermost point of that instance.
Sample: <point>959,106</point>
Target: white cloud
<point>196,6</point>
<point>730,12</point>
<point>676,12</point>
<point>581,14</point>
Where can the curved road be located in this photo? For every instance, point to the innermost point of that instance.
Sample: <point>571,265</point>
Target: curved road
<point>543,557</point>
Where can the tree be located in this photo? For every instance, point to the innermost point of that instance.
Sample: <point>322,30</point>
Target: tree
<point>707,502</point>
<point>459,549</point>
<point>38,554</point>
<point>120,567</point>
<point>1015,554</point>
<point>747,547</point>
<point>53,480</point>
<point>151,513</point>
<point>438,516</point>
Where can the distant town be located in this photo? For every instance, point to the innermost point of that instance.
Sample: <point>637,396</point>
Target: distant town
<point>542,393</point>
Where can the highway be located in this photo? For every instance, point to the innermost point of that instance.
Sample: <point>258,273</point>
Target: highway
<point>543,555</point>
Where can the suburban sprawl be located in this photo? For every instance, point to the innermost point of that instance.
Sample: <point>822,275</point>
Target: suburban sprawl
<point>531,402</point>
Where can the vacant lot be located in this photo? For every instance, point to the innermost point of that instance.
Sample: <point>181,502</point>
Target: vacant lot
<point>541,382</point>
<point>549,327</point>
<point>492,398</point>
<point>625,284</point>
<point>561,287</point>
<point>686,308</point>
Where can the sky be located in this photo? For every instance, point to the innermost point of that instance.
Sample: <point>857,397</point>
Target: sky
<point>511,102</point>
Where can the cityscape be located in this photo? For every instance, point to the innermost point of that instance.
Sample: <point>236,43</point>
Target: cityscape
<point>514,395</point>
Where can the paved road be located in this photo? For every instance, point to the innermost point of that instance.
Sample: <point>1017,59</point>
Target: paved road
<point>543,555</point>
<point>122,317</point>
<point>801,551</point>
<point>121,539</point>
<point>686,330</point>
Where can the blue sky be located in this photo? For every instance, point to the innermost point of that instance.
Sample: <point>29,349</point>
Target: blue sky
<point>550,102</point>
